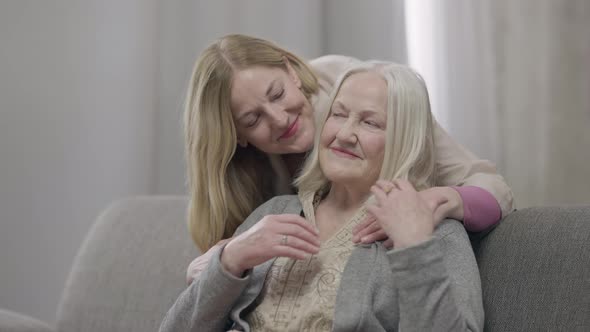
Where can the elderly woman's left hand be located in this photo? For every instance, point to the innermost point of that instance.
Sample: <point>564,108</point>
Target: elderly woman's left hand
<point>405,216</point>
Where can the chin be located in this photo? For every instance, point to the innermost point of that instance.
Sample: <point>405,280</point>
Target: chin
<point>339,175</point>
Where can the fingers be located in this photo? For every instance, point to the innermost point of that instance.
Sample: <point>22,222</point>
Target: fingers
<point>374,211</point>
<point>439,214</point>
<point>386,186</point>
<point>369,226</point>
<point>300,245</point>
<point>296,231</point>
<point>378,235</point>
<point>388,243</point>
<point>382,188</point>
<point>371,233</point>
<point>379,193</point>
<point>398,184</point>
<point>366,222</point>
<point>298,220</point>
<point>403,185</point>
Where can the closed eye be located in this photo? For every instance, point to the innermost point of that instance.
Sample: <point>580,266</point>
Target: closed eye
<point>252,120</point>
<point>278,95</point>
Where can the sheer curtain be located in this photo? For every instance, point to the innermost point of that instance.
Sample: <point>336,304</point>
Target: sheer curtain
<point>543,72</point>
<point>511,81</point>
<point>450,44</point>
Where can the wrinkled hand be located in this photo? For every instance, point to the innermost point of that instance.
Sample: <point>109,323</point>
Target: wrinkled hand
<point>197,266</point>
<point>370,231</point>
<point>266,240</point>
<point>445,202</point>
<point>402,213</point>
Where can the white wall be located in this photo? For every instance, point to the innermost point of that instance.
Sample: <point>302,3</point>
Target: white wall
<point>369,29</point>
<point>77,108</point>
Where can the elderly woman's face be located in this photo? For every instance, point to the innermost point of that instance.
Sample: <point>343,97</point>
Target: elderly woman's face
<point>352,142</point>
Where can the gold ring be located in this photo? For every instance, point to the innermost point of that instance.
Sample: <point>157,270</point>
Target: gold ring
<point>284,240</point>
<point>388,190</point>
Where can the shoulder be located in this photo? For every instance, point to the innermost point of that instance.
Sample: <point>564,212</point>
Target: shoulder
<point>450,227</point>
<point>329,67</point>
<point>332,61</point>
<point>452,236</point>
<point>276,205</point>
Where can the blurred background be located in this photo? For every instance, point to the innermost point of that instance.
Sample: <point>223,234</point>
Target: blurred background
<point>91,96</point>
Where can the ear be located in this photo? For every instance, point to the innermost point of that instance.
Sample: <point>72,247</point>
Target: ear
<point>292,73</point>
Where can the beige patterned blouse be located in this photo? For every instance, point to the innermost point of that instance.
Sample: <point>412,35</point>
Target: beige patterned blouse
<point>299,295</point>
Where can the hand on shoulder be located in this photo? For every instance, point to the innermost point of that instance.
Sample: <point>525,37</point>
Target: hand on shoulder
<point>404,215</point>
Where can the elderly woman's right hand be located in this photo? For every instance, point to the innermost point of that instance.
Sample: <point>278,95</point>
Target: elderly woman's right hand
<point>285,235</point>
<point>405,216</point>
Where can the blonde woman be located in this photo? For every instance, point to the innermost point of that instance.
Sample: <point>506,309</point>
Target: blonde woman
<point>281,272</point>
<point>249,122</point>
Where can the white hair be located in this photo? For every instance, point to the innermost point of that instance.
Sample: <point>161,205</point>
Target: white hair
<point>409,142</point>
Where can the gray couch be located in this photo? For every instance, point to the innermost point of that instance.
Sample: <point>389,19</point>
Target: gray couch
<point>535,271</point>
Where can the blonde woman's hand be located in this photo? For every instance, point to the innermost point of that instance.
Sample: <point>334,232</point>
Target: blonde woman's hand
<point>369,231</point>
<point>445,202</point>
<point>402,213</point>
<point>284,235</point>
<point>197,266</point>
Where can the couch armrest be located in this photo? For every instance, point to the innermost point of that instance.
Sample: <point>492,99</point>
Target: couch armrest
<point>535,268</point>
<point>14,322</point>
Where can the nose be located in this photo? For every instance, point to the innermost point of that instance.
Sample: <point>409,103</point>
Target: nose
<point>278,116</point>
<point>347,133</point>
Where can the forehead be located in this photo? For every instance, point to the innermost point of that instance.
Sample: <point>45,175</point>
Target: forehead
<point>365,90</point>
<point>255,78</point>
<point>249,85</point>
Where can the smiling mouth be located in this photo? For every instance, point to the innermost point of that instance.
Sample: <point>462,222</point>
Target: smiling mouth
<point>344,153</point>
<point>292,130</point>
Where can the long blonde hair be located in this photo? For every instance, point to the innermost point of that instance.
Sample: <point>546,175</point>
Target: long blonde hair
<point>409,142</point>
<point>227,182</point>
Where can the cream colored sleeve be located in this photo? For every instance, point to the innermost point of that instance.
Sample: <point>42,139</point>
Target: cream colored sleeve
<point>458,166</point>
<point>329,67</point>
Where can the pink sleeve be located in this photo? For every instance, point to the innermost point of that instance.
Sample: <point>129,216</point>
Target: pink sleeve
<point>480,209</point>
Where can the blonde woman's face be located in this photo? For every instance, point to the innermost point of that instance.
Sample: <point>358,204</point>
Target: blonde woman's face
<point>270,111</point>
<point>352,142</point>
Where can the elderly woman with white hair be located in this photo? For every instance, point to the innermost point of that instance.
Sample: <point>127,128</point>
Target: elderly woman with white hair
<point>291,266</point>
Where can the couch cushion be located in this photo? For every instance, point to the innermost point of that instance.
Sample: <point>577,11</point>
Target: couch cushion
<point>535,271</point>
<point>130,268</point>
<point>14,322</point>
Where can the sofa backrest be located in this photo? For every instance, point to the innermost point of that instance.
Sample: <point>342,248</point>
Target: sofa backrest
<point>535,271</point>
<point>130,268</point>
